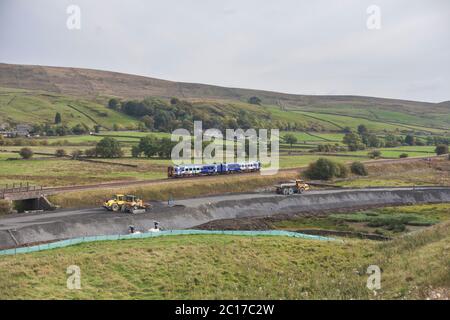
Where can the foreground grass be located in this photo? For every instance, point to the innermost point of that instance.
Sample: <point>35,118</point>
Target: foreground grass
<point>232,267</point>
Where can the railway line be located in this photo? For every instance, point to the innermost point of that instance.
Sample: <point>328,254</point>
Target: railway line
<point>127,183</point>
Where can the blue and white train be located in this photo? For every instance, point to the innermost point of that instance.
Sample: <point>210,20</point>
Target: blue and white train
<point>191,170</point>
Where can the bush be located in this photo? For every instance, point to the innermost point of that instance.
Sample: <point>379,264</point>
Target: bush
<point>342,171</point>
<point>76,154</point>
<point>403,155</point>
<point>325,169</point>
<point>108,148</point>
<point>254,100</point>
<point>359,169</point>
<point>327,148</point>
<point>5,207</point>
<point>60,153</point>
<point>135,151</point>
<point>90,153</point>
<point>26,153</point>
<point>441,149</point>
<point>290,139</point>
<point>374,154</point>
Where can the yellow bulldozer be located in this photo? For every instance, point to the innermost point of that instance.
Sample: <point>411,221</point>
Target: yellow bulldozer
<point>126,203</point>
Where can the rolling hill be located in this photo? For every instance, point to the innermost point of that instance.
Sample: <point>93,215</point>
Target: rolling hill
<point>34,93</point>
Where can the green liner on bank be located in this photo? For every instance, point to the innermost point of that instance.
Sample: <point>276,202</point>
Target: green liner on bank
<point>74,241</point>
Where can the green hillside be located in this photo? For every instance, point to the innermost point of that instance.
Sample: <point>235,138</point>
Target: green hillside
<point>419,120</point>
<point>233,267</point>
<point>20,106</point>
<point>32,94</point>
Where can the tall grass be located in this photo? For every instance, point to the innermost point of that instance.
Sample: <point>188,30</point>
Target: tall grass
<point>233,267</point>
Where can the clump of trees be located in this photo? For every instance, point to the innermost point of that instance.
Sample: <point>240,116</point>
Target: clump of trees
<point>392,141</point>
<point>26,153</point>
<point>290,139</point>
<point>436,140</point>
<point>361,139</point>
<point>410,140</point>
<point>106,148</point>
<point>359,169</point>
<point>59,129</point>
<point>353,141</point>
<point>326,169</point>
<point>150,146</point>
<point>327,148</point>
<point>159,115</point>
<point>441,149</point>
<point>254,100</point>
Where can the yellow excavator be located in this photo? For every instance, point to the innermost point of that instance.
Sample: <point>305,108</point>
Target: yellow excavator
<point>126,203</point>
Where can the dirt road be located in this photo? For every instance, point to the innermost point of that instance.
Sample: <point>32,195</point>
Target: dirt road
<point>21,229</point>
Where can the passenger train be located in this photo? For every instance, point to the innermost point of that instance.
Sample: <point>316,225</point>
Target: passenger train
<point>191,170</point>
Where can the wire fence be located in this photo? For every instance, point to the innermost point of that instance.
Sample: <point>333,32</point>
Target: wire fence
<point>75,241</point>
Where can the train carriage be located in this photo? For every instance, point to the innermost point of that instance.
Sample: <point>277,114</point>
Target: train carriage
<point>180,171</point>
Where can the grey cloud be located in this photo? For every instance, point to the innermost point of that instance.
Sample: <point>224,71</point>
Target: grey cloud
<point>306,47</point>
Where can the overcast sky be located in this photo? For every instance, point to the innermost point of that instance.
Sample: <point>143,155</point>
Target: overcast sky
<point>294,46</point>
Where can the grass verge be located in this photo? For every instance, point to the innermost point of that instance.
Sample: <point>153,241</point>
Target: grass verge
<point>233,267</point>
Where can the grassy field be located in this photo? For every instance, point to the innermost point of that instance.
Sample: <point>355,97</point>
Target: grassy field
<point>124,137</point>
<point>402,174</point>
<point>292,161</point>
<point>234,267</point>
<point>410,118</point>
<point>389,221</point>
<point>411,151</point>
<point>61,172</point>
<point>353,122</point>
<point>21,106</point>
<point>58,172</point>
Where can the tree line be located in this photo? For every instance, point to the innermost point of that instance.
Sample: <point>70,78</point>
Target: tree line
<point>363,138</point>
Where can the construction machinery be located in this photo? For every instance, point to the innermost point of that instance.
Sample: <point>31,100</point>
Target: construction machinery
<point>126,203</point>
<point>291,187</point>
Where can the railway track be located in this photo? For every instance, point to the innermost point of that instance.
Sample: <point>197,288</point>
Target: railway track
<point>118,184</point>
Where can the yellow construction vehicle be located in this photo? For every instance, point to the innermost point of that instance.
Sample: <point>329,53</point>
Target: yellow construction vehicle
<point>126,203</point>
<point>291,187</point>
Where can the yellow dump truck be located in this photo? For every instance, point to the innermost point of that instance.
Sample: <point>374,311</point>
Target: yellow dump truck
<point>291,187</point>
<point>126,203</point>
